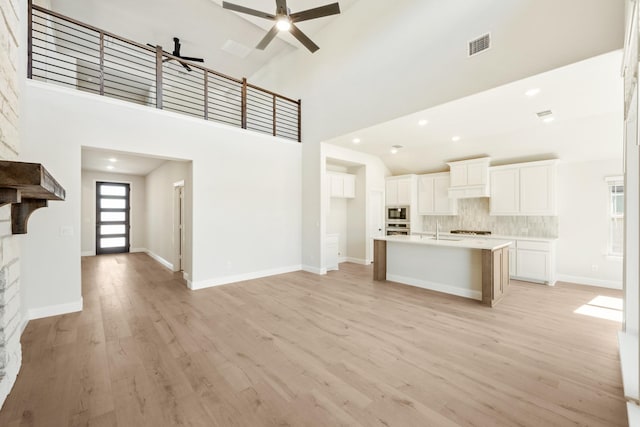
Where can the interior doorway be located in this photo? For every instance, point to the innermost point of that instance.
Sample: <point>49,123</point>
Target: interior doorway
<point>112,218</point>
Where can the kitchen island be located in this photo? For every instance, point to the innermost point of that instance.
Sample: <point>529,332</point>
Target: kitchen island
<point>471,268</point>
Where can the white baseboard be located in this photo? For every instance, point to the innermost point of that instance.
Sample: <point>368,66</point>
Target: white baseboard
<point>628,350</point>
<point>342,259</point>
<point>88,253</point>
<point>355,260</point>
<point>24,324</point>
<point>202,284</point>
<point>185,276</point>
<point>159,259</point>
<point>314,270</point>
<point>136,250</point>
<point>433,286</point>
<point>589,281</point>
<point>54,310</point>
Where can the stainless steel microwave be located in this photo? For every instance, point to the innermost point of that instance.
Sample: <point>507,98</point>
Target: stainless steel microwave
<point>400,213</point>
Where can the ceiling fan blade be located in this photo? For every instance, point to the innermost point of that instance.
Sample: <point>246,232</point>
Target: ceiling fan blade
<point>318,12</point>
<point>267,38</point>
<point>188,58</point>
<point>242,9</point>
<point>302,38</point>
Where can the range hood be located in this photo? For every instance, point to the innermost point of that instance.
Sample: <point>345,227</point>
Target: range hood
<point>469,178</point>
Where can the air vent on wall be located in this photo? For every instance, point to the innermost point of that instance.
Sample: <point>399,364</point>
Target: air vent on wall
<point>480,44</point>
<point>543,114</point>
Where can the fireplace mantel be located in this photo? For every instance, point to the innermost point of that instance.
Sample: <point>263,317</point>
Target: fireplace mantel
<point>27,186</point>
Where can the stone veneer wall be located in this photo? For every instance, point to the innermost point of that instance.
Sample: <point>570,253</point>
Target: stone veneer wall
<point>473,214</point>
<point>10,313</point>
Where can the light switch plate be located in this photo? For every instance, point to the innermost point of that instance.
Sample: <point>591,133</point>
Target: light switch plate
<point>66,231</point>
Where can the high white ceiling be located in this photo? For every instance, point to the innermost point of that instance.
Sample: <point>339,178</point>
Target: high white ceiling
<point>203,27</point>
<point>125,163</point>
<point>502,122</point>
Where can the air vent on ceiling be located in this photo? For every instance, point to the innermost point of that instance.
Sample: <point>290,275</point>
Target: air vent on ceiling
<point>480,44</point>
<point>237,49</point>
<point>543,114</point>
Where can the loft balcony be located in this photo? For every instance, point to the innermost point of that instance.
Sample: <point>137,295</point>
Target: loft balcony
<point>66,52</point>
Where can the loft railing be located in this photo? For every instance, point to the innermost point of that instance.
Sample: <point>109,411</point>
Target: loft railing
<point>67,52</point>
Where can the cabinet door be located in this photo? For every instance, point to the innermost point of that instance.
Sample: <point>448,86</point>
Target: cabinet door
<point>442,204</point>
<point>337,185</point>
<point>404,192</point>
<point>512,262</point>
<point>458,175</point>
<point>391,193</point>
<point>537,190</point>
<point>533,265</point>
<point>425,195</point>
<point>476,174</point>
<point>349,186</point>
<point>505,192</point>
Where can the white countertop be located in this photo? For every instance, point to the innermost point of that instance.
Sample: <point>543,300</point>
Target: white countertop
<point>491,244</point>
<point>490,237</point>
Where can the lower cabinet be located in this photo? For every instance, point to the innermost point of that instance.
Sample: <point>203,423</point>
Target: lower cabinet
<point>533,261</point>
<point>331,251</point>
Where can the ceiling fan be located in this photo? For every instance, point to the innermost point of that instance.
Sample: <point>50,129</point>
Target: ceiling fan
<point>176,53</point>
<point>285,20</point>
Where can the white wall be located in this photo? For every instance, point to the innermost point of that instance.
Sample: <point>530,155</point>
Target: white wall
<point>583,224</point>
<point>138,210</point>
<point>246,193</point>
<point>383,59</point>
<point>160,208</point>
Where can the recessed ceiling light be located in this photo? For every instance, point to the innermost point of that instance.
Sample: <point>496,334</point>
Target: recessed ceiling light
<point>532,92</point>
<point>548,119</point>
<point>423,122</point>
<point>394,151</point>
<point>113,160</point>
<point>455,138</point>
<point>356,140</point>
<point>110,167</point>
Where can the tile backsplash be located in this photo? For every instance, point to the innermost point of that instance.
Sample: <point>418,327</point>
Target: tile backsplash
<point>473,214</point>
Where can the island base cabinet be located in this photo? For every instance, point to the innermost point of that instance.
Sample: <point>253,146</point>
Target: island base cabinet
<point>495,275</point>
<point>379,260</point>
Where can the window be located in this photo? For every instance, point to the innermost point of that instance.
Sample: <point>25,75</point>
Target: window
<point>616,216</point>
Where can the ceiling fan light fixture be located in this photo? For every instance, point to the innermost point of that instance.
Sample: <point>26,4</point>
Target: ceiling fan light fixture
<point>283,23</point>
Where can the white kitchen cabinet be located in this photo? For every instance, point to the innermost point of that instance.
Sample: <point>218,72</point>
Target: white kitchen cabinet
<point>469,178</point>
<point>332,245</point>
<point>535,261</point>
<point>399,191</point>
<point>341,185</point>
<point>512,262</point>
<point>524,189</point>
<point>505,191</point>
<point>433,195</point>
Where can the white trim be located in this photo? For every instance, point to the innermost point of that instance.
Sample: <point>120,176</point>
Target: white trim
<point>614,179</point>
<point>590,281</point>
<point>225,280</point>
<point>179,183</point>
<point>633,414</point>
<point>628,349</point>
<point>356,260</point>
<point>158,258</point>
<point>433,286</point>
<point>185,276</point>
<point>54,310</point>
<point>88,253</point>
<point>314,270</point>
<point>23,324</point>
<point>137,250</point>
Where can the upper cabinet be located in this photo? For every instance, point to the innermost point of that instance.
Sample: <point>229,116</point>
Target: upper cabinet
<point>341,185</point>
<point>524,189</point>
<point>469,178</point>
<point>399,191</point>
<point>433,195</point>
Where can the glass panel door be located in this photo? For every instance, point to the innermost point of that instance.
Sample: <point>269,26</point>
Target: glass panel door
<point>112,218</point>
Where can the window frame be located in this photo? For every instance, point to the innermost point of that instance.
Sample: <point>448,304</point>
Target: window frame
<point>614,217</point>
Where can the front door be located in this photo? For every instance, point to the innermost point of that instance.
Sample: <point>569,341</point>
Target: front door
<point>112,218</point>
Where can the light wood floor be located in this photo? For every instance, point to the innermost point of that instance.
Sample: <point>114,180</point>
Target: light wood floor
<point>304,350</point>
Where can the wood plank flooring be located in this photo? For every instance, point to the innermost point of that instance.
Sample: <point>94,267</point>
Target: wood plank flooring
<point>305,350</point>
